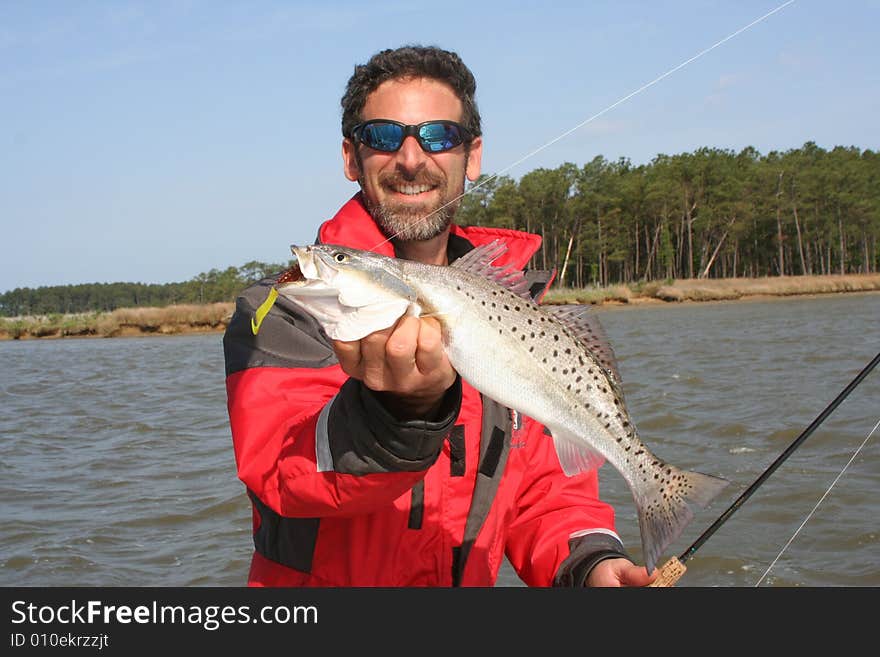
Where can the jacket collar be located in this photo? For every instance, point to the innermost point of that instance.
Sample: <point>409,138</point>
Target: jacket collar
<point>354,227</point>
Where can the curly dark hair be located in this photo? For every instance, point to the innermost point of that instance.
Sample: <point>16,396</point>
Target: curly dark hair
<point>411,61</point>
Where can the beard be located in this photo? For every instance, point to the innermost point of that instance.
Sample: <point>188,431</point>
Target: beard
<point>411,223</point>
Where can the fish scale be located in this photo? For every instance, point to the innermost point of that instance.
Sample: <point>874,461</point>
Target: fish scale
<point>549,364</point>
<point>550,374</point>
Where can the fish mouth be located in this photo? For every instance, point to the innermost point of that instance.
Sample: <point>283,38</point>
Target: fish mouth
<point>292,275</point>
<point>301,253</point>
<point>301,273</point>
<point>311,274</point>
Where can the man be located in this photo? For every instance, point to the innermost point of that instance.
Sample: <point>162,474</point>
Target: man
<point>372,463</point>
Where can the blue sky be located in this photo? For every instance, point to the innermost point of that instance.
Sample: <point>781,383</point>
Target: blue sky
<point>152,141</point>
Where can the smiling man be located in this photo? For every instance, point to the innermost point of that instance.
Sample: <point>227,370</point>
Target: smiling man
<point>371,463</point>
<point>412,189</point>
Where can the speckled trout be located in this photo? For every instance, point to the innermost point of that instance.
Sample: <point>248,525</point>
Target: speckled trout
<point>551,363</point>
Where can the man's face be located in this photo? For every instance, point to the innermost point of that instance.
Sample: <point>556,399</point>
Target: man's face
<point>405,190</point>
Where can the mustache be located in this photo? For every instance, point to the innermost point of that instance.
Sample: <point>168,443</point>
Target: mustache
<point>422,178</point>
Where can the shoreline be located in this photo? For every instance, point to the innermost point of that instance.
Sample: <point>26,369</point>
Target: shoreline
<point>214,318</point>
<point>651,301</point>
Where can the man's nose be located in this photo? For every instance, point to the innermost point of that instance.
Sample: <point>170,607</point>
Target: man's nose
<point>411,157</point>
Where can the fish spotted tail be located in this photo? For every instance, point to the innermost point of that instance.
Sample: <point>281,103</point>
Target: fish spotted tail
<point>664,510</point>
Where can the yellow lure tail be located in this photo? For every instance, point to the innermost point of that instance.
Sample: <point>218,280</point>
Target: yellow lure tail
<point>263,310</point>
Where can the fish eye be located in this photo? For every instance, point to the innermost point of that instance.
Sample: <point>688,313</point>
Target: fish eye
<point>340,257</point>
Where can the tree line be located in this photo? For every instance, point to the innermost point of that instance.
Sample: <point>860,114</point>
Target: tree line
<point>710,213</point>
<point>209,287</point>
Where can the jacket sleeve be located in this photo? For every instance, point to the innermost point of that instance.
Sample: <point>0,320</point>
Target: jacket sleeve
<point>562,528</point>
<point>309,442</point>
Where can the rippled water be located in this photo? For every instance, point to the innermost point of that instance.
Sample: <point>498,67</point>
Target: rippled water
<point>116,465</point>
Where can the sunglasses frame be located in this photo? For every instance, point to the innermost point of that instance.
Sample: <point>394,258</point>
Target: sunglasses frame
<point>409,130</point>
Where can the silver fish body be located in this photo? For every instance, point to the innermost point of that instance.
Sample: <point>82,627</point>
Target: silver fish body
<point>530,358</point>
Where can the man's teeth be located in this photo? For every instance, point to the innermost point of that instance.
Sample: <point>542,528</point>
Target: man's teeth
<point>412,189</point>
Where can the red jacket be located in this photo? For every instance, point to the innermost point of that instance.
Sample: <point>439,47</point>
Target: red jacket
<point>344,494</point>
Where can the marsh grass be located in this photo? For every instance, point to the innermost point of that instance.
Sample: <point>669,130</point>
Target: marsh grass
<point>726,289</point>
<point>590,295</point>
<point>169,320</point>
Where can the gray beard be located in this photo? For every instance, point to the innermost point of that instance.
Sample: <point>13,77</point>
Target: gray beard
<point>409,226</point>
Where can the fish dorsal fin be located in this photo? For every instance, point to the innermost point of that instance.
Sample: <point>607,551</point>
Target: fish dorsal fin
<point>587,328</point>
<point>574,455</point>
<point>479,260</point>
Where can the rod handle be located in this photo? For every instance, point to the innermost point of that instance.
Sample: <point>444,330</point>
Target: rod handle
<point>670,573</point>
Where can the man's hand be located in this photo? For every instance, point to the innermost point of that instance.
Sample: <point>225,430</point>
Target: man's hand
<point>620,572</point>
<point>406,363</point>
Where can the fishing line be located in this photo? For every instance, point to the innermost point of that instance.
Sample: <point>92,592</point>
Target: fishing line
<point>810,514</point>
<point>673,569</point>
<point>595,116</point>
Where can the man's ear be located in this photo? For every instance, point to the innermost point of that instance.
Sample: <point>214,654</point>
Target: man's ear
<point>350,164</point>
<point>475,157</point>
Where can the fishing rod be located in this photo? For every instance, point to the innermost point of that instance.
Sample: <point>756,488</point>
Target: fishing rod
<point>673,569</point>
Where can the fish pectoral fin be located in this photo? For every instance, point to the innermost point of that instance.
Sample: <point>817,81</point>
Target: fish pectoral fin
<point>349,324</point>
<point>574,455</point>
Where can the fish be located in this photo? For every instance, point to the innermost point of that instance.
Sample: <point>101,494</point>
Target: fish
<point>558,365</point>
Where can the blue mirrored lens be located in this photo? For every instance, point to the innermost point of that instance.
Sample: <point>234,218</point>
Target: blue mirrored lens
<point>383,136</point>
<point>437,137</point>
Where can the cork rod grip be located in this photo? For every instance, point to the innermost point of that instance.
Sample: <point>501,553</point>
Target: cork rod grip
<point>670,573</point>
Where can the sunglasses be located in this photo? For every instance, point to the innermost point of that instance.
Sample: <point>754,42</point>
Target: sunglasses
<point>387,136</point>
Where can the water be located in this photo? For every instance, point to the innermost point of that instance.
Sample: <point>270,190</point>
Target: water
<point>116,465</point>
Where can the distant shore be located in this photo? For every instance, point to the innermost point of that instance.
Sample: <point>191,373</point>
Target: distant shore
<point>213,318</point>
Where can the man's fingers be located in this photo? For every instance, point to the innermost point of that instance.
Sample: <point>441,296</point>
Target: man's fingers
<point>407,358</point>
<point>430,354</point>
<point>349,356</point>
<point>400,350</point>
<point>374,369</point>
